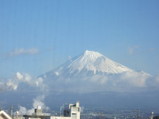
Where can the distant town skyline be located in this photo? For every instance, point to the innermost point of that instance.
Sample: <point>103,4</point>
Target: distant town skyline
<point>37,36</point>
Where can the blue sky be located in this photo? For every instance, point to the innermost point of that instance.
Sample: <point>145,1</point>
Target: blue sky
<point>39,35</point>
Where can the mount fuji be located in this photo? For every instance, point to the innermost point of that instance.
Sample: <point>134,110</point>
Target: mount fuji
<point>91,72</point>
<point>91,78</point>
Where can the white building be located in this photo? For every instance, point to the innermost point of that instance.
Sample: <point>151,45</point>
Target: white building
<point>71,111</point>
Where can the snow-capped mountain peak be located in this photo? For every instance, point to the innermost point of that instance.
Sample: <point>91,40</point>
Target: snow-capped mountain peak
<point>96,62</point>
<point>91,54</point>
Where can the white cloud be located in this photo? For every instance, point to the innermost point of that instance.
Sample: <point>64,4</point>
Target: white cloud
<point>9,85</point>
<point>157,79</point>
<point>137,79</point>
<point>24,77</point>
<point>23,51</point>
<point>28,79</point>
<point>127,81</point>
<point>122,82</point>
<point>19,76</point>
<point>15,82</point>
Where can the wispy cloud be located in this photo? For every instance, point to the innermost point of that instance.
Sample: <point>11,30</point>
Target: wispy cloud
<point>132,50</point>
<point>22,51</point>
<point>124,82</point>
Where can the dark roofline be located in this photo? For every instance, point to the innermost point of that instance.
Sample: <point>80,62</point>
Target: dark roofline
<point>36,116</point>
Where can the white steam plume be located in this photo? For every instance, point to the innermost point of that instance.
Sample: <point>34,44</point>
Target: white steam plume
<point>38,101</point>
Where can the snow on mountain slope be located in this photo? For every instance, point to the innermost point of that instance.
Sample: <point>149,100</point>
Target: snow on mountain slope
<point>89,63</point>
<point>96,62</point>
<point>93,71</point>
